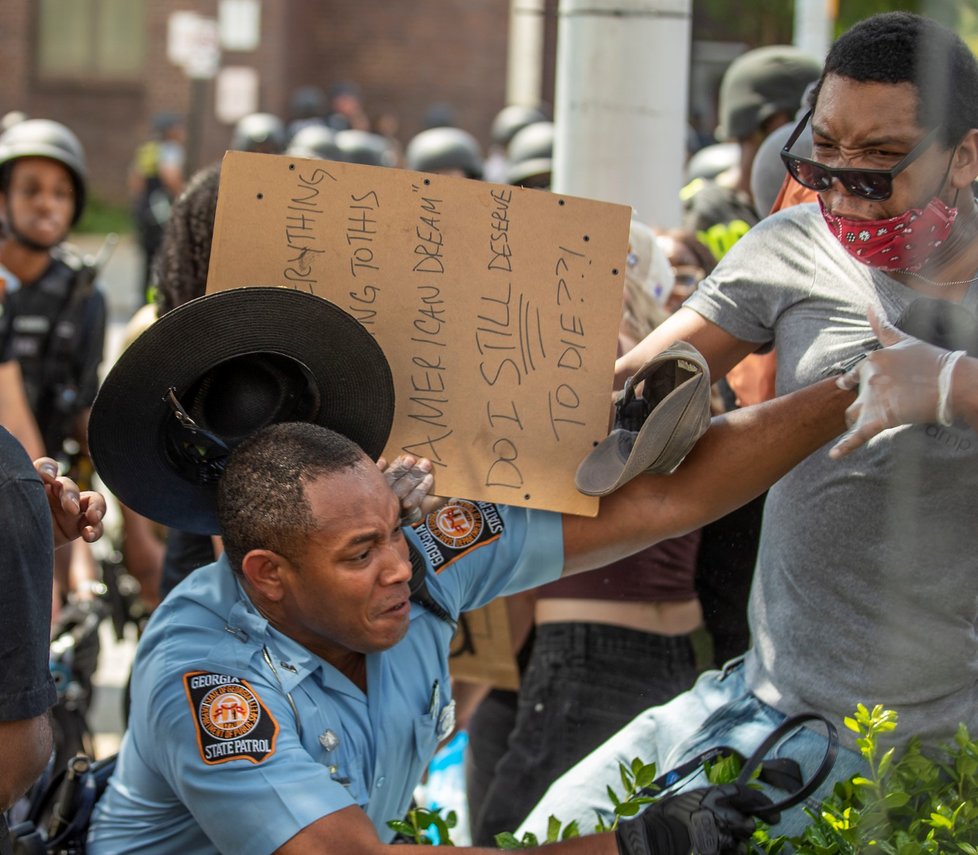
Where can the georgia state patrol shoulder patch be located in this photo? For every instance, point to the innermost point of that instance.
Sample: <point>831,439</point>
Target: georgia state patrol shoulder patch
<point>457,528</point>
<point>232,722</point>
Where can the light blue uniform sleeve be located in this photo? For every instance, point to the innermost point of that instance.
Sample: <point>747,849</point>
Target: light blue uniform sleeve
<point>479,551</point>
<point>227,745</point>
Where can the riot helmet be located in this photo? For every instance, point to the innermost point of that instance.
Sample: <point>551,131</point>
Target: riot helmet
<point>760,84</point>
<point>530,155</point>
<point>11,118</point>
<point>364,147</point>
<point>711,160</point>
<point>444,150</point>
<point>262,132</point>
<point>512,119</point>
<point>317,141</point>
<point>44,138</point>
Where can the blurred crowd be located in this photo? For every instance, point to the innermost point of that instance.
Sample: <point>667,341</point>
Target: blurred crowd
<point>593,651</point>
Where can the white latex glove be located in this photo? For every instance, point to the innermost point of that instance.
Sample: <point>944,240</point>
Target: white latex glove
<point>898,385</point>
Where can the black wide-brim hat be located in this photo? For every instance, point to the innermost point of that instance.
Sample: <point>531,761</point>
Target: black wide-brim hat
<point>214,371</point>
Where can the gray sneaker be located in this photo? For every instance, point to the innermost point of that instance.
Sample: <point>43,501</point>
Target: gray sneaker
<point>655,431</point>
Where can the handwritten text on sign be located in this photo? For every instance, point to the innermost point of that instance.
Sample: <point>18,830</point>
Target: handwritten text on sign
<point>497,307</point>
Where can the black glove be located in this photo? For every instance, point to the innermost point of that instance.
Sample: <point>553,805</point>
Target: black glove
<point>707,821</point>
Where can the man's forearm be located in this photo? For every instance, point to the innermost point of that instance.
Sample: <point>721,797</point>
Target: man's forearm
<point>739,457</point>
<point>25,747</point>
<point>15,413</point>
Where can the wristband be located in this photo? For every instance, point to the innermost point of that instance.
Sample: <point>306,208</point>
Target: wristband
<point>944,416</point>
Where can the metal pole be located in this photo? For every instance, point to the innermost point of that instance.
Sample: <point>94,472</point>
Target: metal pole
<point>524,71</point>
<point>814,21</point>
<point>621,96</point>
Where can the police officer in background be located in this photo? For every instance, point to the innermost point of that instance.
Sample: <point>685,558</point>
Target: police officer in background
<point>505,125</point>
<point>365,147</point>
<point>760,91</point>
<point>307,107</point>
<point>445,151</point>
<point>530,156</point>
<point>316,141</point>
<point>259,132</point>
<point>54,318</point>
<point>53,325</point>
<point>155,180</point>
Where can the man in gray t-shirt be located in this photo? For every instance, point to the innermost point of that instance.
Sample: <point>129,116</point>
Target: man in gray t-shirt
<point>865,589</point>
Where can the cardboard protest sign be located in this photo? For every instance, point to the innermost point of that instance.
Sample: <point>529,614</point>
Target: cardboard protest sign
<point>497,307</point>
<point>482,649</point>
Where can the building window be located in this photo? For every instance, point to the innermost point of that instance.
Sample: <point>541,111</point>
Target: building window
<point>102,39</point>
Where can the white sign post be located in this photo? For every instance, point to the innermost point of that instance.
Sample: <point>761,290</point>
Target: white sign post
<point>193,42</point>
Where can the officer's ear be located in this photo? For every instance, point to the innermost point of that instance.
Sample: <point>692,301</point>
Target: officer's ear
<point>266,572</point>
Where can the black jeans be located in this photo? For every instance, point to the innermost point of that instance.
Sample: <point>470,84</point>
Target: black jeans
<point>583,683</point>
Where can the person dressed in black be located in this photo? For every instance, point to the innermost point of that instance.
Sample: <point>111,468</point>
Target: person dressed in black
<point>30,499</point>
<point>54,319</point>
<point>155,181</point>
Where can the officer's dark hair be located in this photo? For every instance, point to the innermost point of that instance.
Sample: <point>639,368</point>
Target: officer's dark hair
<point>180,265</point>
<point>901,47</point>
<point>261,499</point>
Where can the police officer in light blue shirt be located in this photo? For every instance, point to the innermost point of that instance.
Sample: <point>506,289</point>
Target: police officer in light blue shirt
<point>288,697</point>
<point>217,688</point>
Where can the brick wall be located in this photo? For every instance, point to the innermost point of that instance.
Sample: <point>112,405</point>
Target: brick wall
<point>405,54</point>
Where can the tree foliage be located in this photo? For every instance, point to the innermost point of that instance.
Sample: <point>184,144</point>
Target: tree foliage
<point>765,22</point>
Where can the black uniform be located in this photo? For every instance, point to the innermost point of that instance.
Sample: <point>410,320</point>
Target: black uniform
<point>55,328</point>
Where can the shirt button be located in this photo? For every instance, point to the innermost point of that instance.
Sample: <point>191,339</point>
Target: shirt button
<point>380,781</point>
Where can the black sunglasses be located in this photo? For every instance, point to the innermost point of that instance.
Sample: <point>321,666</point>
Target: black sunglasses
<point>874,184</point>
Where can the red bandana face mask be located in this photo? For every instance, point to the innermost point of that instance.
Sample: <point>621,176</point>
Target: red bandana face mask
<point>897,243</point>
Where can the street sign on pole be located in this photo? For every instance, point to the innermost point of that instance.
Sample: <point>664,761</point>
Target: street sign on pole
<point>193,42</point>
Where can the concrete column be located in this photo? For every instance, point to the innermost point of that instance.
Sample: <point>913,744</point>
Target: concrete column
<point>524,72</point>
<point>621,101</point>
<point>814,21</point>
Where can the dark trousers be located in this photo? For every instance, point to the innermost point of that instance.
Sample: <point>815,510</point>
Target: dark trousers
<point>582,684</point>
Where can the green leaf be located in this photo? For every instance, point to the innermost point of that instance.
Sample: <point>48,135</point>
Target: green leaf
<point>627,809</point>
<point>553,828</point>
<point>895,799</point>
<point>885,762</point>
<point>401,827</point>
<point>645,776</point>
<point>572,829</point>
<point>614,798</point>
<point>508,840</point>
<point>626,779</point>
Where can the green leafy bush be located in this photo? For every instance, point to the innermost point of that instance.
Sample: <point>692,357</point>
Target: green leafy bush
<point>418,824</point>
<point>914,803</point>
<point>909,804</point>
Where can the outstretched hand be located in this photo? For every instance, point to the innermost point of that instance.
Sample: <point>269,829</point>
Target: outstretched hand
<point>897,386</point>
<point>706,820</point>
<point>411,479</point>
<point>74,513</point>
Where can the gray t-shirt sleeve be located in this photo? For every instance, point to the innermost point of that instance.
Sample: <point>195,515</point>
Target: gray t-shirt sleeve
<point>752,287</point>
